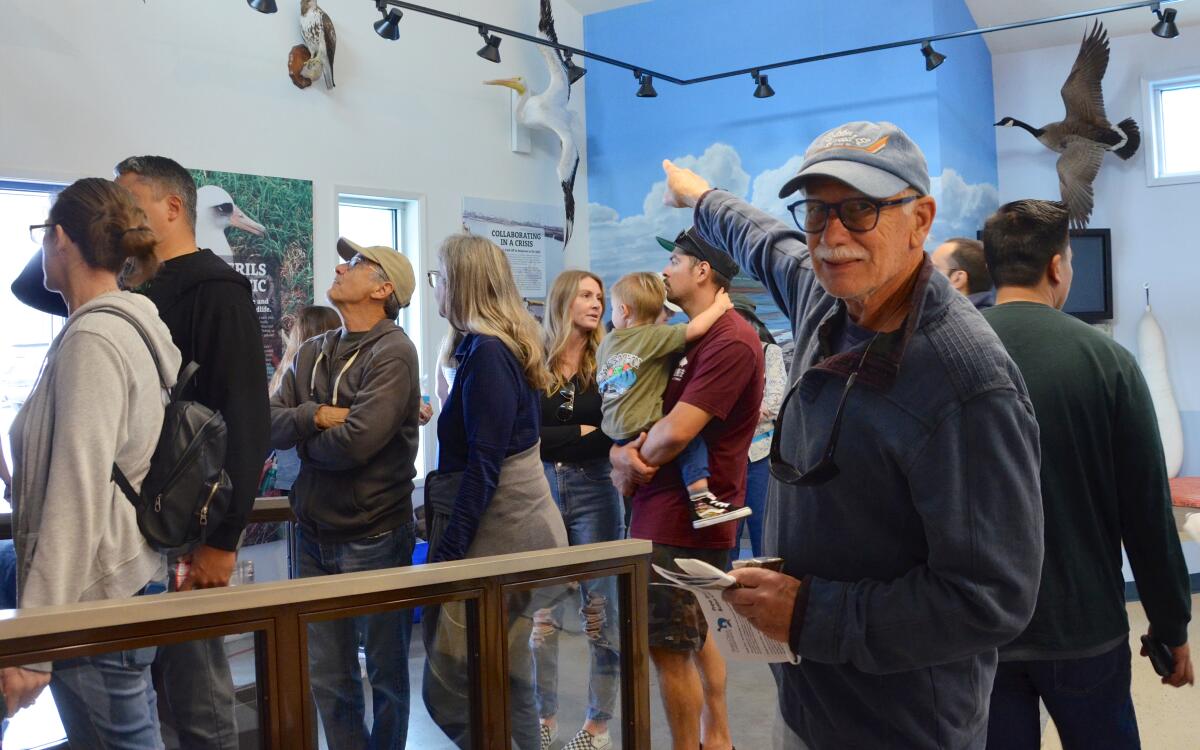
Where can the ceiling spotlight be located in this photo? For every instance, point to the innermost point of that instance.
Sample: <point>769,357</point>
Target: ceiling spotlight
<point>1165,27</point>
<point>933,58</point>
<point>646,90</point>
<point>263,6</point>
<point>574,72</point>
<point>490,51</point>
<point>389,26</point>
<point>763,90</point>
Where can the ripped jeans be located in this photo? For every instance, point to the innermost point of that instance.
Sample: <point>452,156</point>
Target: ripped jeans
<point>592,511</point>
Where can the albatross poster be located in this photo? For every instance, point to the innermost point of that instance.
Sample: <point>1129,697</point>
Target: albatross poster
<point>263,227</point>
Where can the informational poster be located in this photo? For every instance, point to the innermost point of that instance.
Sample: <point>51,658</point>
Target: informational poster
<point>263,227</point>
<point>530,234</point>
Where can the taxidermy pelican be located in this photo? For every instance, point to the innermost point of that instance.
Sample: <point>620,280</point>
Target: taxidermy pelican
<point>1085,133</point>
<point>548,111</point>
<point>215,211</point>
<point>319,36</point>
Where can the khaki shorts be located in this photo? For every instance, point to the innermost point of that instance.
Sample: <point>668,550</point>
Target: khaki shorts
<point>676,621</point>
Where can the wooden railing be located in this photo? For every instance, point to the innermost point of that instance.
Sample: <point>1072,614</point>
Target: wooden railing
<point>276,613</point>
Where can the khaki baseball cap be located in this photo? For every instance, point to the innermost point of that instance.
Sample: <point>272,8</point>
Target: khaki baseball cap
<point>395,266</point>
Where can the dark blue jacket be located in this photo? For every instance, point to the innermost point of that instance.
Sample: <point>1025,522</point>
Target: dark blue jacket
<point>924,553</point>
<point>492,413</point>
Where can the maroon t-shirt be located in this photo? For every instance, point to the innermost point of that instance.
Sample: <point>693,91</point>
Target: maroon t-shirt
<point>721,374</point>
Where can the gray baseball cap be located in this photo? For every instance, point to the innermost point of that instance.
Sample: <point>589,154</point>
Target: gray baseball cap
<point>875,158</point>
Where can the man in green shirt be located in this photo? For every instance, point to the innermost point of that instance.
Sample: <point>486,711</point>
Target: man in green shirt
<point>1104,483</point>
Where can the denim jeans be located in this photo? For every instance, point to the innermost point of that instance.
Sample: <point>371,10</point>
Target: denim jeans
<point>1088,699</point>
<point>333,667</point>
<point>758,474</point>
<point>195,688</point>
<point>107,701</point>
<point>8,574</point>
<point>592,512</point>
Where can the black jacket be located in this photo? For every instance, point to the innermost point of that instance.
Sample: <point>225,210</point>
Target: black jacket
<point>209,310</point>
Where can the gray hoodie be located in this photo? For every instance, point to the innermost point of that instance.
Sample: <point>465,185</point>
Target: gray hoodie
<point>98,399</point>
<point>356,479</point>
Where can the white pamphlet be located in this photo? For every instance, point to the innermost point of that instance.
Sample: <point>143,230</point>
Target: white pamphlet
<point>735,636</point>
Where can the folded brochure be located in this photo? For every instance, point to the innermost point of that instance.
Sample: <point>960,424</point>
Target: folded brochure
<point>735,636</point>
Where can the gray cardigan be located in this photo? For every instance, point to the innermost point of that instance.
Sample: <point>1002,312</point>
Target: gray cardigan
<point>925,551</point>
<point>99,399</point>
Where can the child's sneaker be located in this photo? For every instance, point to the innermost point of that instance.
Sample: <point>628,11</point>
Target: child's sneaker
<point>707,510</point>
<point>585,740</point>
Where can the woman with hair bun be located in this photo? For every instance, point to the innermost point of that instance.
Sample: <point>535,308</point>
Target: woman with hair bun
<point>98,402</point>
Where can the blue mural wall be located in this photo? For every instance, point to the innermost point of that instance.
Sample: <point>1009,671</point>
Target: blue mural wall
<point>752,146</point>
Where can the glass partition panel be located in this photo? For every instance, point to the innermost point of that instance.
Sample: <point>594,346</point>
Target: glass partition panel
<point>202,693</point>
<point>372,685</point>
<point>565,664</point>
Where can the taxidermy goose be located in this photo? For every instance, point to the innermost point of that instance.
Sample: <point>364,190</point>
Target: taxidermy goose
<point>1085,133</point>
<point>319,36</point>
<point>215,211</point>
<point>548,111</point>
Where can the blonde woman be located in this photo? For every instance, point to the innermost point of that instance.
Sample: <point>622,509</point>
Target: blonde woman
<point>575,459</point>
<point>490,495</point>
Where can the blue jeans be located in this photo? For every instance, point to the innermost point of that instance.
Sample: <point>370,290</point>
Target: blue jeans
<point>592,512</point>
<point>333,667</point>
<point>1088,699</point>
<point>108,701</point>
<point>8,574</point>
<point>758,475</point>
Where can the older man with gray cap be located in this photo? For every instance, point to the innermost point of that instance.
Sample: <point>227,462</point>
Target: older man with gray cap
<point>906,502</point>
<point>350,403</point>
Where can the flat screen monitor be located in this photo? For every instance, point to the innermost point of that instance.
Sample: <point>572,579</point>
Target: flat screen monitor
<point>1091,288</point>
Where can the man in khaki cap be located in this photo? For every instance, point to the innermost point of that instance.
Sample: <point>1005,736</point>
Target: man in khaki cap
<point>350,404</point>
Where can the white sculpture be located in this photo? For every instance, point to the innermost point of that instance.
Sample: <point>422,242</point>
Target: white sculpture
<point>1152,356</point>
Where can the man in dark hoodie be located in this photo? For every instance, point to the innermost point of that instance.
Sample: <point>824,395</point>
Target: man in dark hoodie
<point>208,308</point>
<point>350,403</point>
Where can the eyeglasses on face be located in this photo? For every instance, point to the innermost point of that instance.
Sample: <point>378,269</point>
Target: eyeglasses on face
<point>826,468</point>
<point>433,277</point>
<point>856,214</point>
<point>37,232</point>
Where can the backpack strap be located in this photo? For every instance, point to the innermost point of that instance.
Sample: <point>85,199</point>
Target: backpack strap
<point>118,476</point>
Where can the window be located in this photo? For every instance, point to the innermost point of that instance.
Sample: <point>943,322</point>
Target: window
<point>373,220</point>
<point>1173,109</point>
<point>26,333</point>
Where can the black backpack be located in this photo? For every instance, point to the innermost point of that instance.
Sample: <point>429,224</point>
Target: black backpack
<point>186,491</point>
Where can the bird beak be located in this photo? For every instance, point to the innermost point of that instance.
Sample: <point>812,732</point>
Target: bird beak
<point>245,223</point>
<point>511,83</point>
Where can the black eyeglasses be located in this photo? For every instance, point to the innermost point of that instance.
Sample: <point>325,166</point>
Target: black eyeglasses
<point>37,232</point>
<point>856,214</point>
<point>826,469</point>
<point>566,409</point>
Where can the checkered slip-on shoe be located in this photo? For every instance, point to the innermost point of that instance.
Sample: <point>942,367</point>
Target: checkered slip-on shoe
<point>585,740</point>
<point>546,736</point>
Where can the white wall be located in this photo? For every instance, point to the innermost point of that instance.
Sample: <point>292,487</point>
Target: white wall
<point>1155,230</point>
<point>87,83</point>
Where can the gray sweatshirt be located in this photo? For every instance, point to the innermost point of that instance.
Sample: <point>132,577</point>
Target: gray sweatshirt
<point>98,400</point>
<point>356,479</point>
<point>924,554</point>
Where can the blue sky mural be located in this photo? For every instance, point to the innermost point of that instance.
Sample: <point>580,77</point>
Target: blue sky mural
<point>752,146</point>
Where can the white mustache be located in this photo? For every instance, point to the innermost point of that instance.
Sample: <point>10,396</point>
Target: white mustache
<point>827,254</point>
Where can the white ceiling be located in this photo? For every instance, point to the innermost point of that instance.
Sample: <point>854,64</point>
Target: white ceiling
<point>993,12</point>
<point>1137,21</point>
